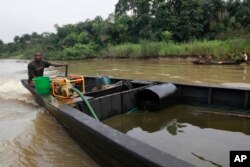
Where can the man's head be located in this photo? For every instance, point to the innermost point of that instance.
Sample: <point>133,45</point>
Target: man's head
<point>38,56</point>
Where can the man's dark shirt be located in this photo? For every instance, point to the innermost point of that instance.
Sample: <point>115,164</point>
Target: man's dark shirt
<point>35,69</point>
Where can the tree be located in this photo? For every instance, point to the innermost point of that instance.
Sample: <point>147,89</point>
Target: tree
<point>50,41</point>
<point>11,47</point>
<point>189,21</point>
<point>141,14</point>
<point>65,30</point>
<point>83,38</point>
<point>243,16</point>
<point>163,19</point>
<point>70,40</point>
<point>16,39</point>
<point>215,18</point>
<point>123,30</point>
<point>25,38</point>
<point>1,46</point>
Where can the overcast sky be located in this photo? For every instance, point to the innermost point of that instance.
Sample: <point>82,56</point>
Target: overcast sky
<point>26,16</point>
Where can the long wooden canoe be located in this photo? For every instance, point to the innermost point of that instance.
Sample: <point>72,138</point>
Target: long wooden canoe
<point>203,62</point>
<point>110,147</point>
<point>105,145</point>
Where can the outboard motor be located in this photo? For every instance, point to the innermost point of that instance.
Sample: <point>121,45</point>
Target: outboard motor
<point>157,97</point>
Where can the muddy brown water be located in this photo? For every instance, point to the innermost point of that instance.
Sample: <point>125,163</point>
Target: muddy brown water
<point>166,70</point>
<point>32,137</point>
<point>201,139</point>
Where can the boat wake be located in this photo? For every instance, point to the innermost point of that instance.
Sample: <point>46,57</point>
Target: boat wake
<point>11,89</point>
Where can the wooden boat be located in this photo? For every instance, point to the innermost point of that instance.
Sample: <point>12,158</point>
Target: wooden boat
<point>110,147</point>
<point>204,62</point>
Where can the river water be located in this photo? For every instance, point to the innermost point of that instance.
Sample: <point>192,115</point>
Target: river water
<point>29,135</point>
<point>166,70</point>
<point>32,137</point>
<point>201,139</point>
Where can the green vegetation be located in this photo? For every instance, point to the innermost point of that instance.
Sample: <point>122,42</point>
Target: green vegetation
<point>228,49</point>
<point>146,28</point>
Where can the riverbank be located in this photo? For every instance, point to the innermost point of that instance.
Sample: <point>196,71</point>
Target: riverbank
<point>217,49</point>
<point>228,49</point>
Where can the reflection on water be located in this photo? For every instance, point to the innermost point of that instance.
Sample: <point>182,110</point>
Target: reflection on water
<point>199,138</point>
<point>245,73</point>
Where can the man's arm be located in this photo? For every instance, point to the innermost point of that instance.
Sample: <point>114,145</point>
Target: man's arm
<point>47,64</point>
<point>58,65</point>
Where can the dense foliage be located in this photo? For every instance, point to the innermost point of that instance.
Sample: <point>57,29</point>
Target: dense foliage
<point>137,22</point>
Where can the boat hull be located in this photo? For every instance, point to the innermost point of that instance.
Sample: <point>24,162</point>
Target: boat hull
<point>105,145</point>
<point>237,62</point>
<point>110,147</point>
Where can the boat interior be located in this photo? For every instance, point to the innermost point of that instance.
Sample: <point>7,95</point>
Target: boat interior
<point>112,101</point>
<point>128,95</point>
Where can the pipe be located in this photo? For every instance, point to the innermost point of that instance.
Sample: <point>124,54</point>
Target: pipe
<point>86,102</point>
<point>66,70</point>
<point>135,109</point>
<point>157,97</point>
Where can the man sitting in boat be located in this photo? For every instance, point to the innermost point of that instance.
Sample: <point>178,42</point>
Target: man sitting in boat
<point>199,60</point>
<point>245,58</point>
<point>36,67</point>
<point>209,60</point>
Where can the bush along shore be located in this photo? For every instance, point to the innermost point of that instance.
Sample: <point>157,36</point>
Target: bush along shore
<point>217,49</point>
<point>221,50</point>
